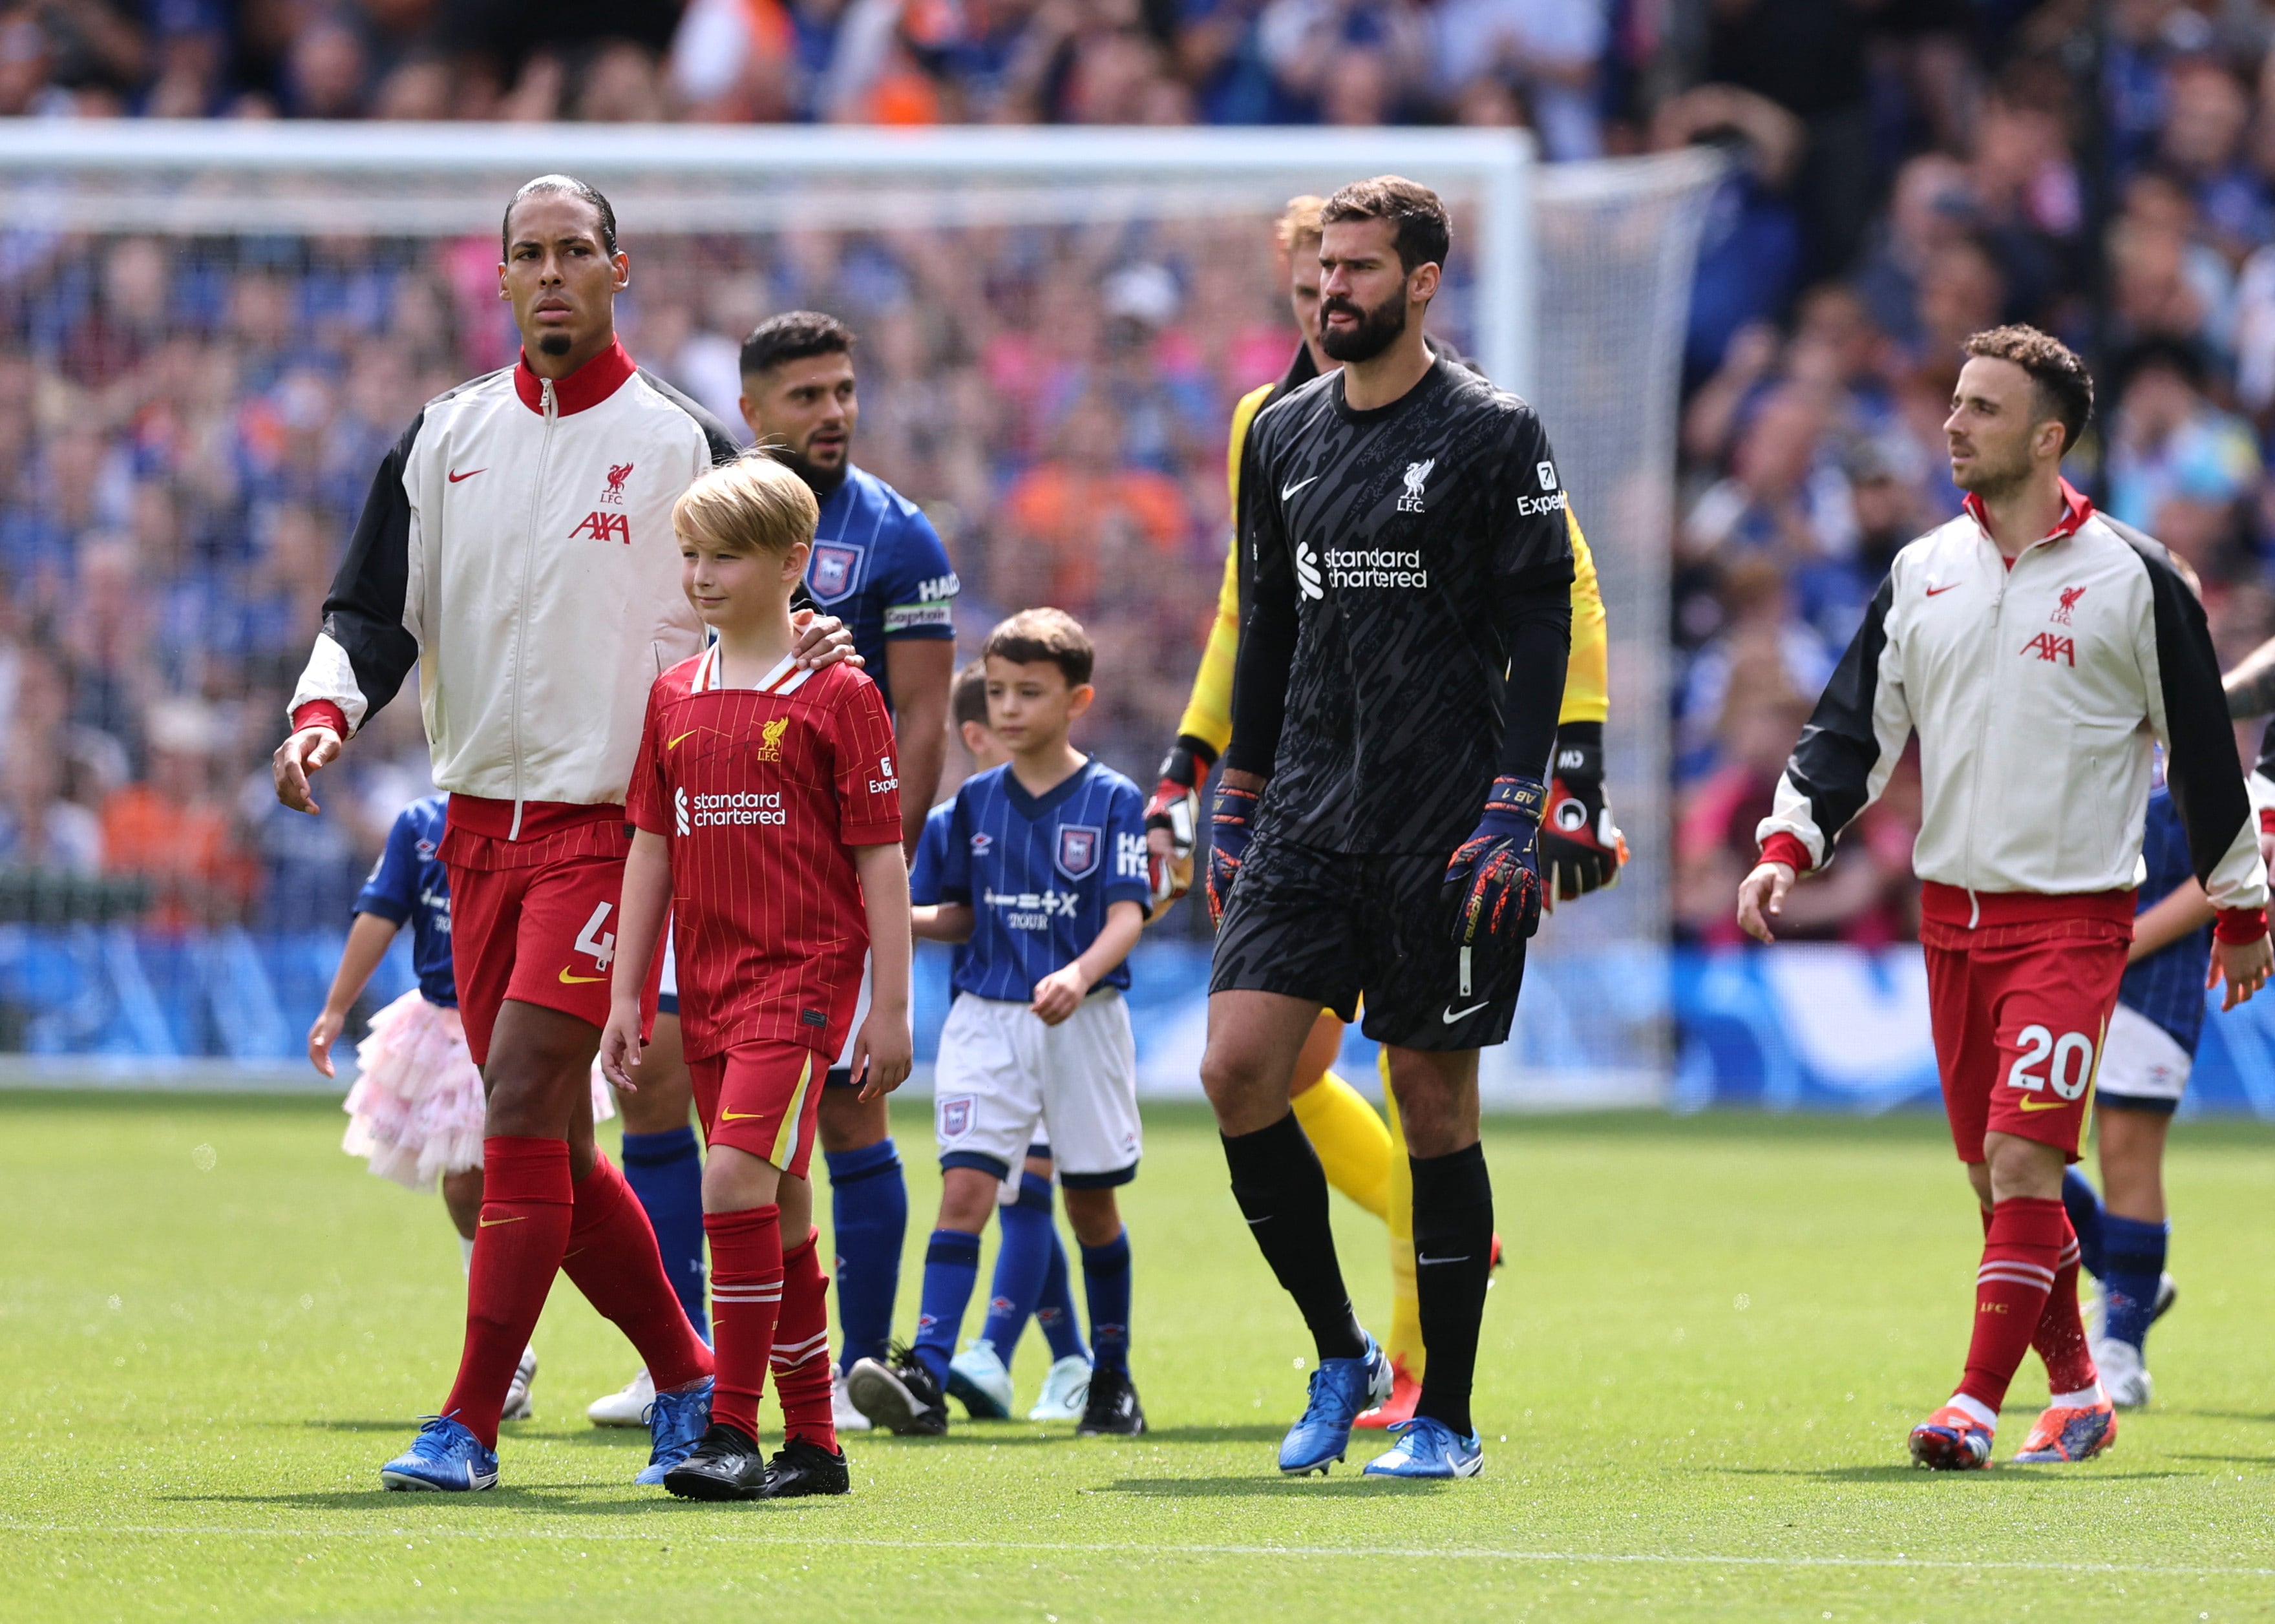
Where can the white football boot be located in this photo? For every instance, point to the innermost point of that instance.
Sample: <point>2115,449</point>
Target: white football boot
<point>1066,1391</point>
<point>2124,1378</point>
<point>842,1415</point>
<point>518,1406</point>
<point>626,1407</point>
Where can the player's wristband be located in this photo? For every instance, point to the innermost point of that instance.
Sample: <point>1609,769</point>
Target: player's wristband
<point>1785,847</point>
<point>321,714</point>
<point>1579,756</point>
<point>2240,926</point>
<point>2267,820</point>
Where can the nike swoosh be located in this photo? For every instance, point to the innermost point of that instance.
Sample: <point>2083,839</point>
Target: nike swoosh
<point>1452,1014</point>
<point>673,743</point>
<point>469,474</point>
<point>740,1116</point>
<point>1298,486</point>
<point>1419,1259</point>
<point>569,981</point>
<point>492,1223</point>
<point>2047,1104</point>
<point>1932,591</point>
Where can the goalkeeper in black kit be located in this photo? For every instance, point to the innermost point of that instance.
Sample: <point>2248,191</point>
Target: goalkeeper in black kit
<point>1376,823</point>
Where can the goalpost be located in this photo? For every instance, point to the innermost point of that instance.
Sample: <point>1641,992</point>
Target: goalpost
<point>1016,290</point>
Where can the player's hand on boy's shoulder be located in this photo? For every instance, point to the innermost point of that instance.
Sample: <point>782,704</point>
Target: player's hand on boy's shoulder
<point>822,639</point>
<point>620,1047</point>
<point>884,1052</point>
<point>1060,994</point>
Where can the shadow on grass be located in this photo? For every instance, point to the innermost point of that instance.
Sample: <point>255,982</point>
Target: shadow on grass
<point>2007,1471</point>
<point>2259,1460</point>
<point>2259,1416</point>
<point>1265,1488</point>
<point>530,1496</point>
<point>327,1424</point>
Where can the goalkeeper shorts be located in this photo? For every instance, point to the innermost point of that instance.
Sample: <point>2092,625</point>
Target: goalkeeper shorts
<point>1326,926</point>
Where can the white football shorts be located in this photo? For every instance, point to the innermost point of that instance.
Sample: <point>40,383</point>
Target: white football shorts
<point>1005,1080</point>
<point>2141,1068</point>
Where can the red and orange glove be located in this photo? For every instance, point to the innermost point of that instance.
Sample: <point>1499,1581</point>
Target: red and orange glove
<point>1581,849</point>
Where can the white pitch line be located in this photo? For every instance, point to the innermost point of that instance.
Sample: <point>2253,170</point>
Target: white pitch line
<point>1152,1553</point>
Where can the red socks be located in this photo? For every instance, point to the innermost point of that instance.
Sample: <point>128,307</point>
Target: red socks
<point>2022,1250</point>
<point>747,1295</point>
<point>2060,1340</point>
<point>801,1358</point>
<point>611,1256</point>
<point>526,1203</point>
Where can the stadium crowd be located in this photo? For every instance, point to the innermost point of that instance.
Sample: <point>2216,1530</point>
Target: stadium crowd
<point>186,433</point>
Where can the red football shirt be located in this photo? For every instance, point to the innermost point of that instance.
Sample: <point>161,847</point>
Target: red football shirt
<point>763,793</point>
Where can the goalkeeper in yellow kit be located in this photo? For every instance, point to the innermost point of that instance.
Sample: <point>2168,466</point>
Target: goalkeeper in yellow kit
<point>1580,849</point>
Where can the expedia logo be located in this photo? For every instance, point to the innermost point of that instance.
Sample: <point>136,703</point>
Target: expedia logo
<point>1531,507</point>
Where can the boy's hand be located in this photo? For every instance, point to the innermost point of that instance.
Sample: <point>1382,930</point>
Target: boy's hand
<point>620,1047</point>
<point>1060,994</point>
<point>884,1053</point>
<point>322,1035</point>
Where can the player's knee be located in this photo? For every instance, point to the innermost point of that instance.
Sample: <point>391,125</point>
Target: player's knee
<point>1234,1079</point>
<point>846,1123</point>
<point>1094,1215</point>
<point>967,1196</point>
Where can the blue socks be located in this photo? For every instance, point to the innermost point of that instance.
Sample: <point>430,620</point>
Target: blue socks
<point>1054,1309</point>
<point>1029,1239</point>
<point>2083,1203</point>
<point>1105,1280</point>
<point>2135,1251</point>
<point>665,1172</point>
<point>951,1268</point>
<point>870,1199</point>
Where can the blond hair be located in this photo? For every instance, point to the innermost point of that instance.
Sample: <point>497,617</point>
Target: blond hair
<point>1299,222</point>
<point>754,504</point>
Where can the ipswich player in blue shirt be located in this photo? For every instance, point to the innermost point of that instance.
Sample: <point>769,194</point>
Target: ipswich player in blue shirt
<point>878,563</point>
<point>2146,1057</point>
<point>1046,880</point>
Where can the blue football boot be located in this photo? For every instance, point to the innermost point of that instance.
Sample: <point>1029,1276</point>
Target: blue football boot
<point>1428,1448</point>
<point>677,1422</point>
<point>444,1455</point>
<point>1340,1389</point>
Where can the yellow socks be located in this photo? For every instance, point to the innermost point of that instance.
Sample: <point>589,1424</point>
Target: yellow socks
<point>1404,1342</point>
<point>1352,1144</point>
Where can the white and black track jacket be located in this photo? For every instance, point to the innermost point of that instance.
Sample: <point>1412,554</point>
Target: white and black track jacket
<point>2037,693</point>
<point>517,546</point>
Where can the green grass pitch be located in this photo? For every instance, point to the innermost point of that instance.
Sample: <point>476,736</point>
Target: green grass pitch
<point>1698,1370</point>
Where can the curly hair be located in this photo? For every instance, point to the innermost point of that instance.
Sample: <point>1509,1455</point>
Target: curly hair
<point>2064,386</point>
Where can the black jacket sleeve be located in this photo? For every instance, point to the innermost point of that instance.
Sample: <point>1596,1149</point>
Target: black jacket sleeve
<point>1267,635</point>
<point>363,613</point>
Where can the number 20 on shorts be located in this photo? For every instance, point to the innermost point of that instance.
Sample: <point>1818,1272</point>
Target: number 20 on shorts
<point>2069,1059</point>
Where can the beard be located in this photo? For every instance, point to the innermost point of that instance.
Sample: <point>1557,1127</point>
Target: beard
<point>1991,480</point>
<point>1377,330</point>
<point>822,482</point>
<point>555,343</point>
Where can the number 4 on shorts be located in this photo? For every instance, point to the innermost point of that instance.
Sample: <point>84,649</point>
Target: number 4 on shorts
<point>602,946</point>
<point>2072,1061</point>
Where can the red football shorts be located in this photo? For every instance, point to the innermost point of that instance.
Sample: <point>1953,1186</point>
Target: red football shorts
<point>542,932</point>
<point>763,1099</point>
<point>2019,1027</point>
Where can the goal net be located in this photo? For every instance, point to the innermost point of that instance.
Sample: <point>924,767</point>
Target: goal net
<point>212,331</point>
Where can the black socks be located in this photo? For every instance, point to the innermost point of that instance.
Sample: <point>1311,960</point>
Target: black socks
<point>1453,1261</point>
<point>1282,1191</point>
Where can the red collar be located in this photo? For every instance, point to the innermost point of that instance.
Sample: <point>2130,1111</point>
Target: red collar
<point>2076,509</point>
<point>588,386</point>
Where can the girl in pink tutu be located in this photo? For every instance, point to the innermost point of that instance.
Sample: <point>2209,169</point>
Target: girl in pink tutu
<point>415,1113</point>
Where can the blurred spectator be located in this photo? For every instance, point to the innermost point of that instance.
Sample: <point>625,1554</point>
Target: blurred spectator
<point>1546,52</point>
<point>173,831</point>
<point>2174,456</point>
<point>40,830</point>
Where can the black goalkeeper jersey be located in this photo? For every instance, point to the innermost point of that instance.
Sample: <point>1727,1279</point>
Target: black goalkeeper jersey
<point>1402,559</point>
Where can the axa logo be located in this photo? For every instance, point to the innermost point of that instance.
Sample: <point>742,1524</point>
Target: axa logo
<point>2051,648</point>
<point>605,528</point>
<point>614,495</point>
<point>2069,597</point>
<point>770,740</point>
<point>679,812</point>
<point>1307,572</point>
<point>1415,474</point>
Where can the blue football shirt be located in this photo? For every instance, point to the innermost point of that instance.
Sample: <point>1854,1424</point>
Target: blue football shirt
<point>2167,987</point>
<point>925,869</point>
<point>409,882</point>
<point>877,565</point>
<point>1039,872</point>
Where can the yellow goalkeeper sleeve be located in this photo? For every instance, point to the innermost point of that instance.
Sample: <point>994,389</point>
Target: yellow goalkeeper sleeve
<point>1353,1146</point>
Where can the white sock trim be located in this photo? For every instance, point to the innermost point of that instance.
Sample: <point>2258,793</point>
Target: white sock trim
<point>1976,1410</point>
<point>466,1255</point>
<point>2085,1398</point>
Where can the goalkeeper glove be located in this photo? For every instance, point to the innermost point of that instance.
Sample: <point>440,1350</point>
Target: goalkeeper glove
<point>1581,849</point>
<point>1228,831</point>
<point>1493,879</point>
<point>1175,809</point>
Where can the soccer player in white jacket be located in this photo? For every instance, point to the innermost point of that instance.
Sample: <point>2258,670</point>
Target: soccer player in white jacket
<point>517,548</point>
<point>2040,651</point>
